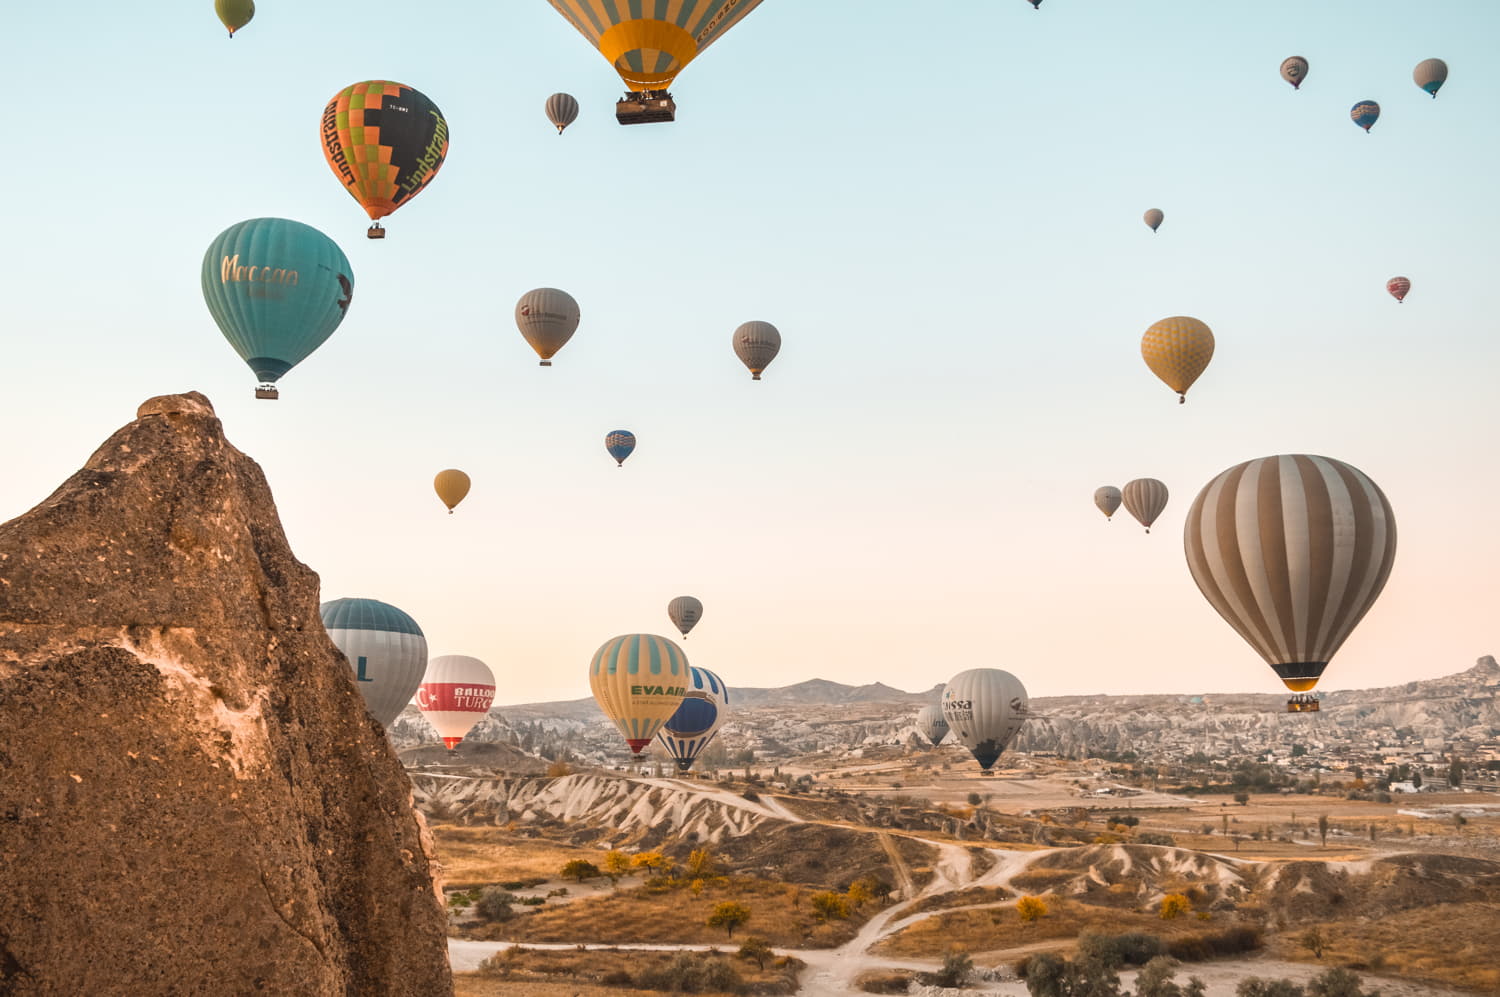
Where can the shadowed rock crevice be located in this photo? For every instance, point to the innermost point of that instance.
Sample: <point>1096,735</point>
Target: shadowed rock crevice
<point>194,799</point>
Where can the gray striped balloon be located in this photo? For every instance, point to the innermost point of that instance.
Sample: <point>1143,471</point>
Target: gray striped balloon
<point>1292,551</point>
<point>1144,498</point>
<point>562,110</point>
<point>756,344</point>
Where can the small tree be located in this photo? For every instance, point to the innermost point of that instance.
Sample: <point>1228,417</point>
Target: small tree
<point>794,894</point>
<point>1336,981</point>
<point>1155,978</point>
<point>1323,829</point>
<point>616,864</point>
<point>830,906</point>
<point>973,799</point>
<point>728,915</point>
<point>654,862</point>
<point>1174,905</point>
<point>701,864</point>
<point>756,948</point>
<point>494,904</point>
<point>858,893</point>
<point>1243,799</point>
<point>579,869</point>
<point>559,769</point>
<point>1314,941</point>
<point>956,968</point>
<point>1416,778</point>
<point>1030,909</point>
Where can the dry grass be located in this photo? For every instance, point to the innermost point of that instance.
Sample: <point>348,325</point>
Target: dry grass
<point>480,856</point>
<point>638,915</point>
<point>999,928</point>
<point>570,971</point>
<point>1452,944</point>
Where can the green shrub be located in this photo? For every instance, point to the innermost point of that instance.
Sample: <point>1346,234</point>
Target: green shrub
<point>956,968</point>
<point>494,904</point>
<point>1211,944</point>
<point>1154,838</point>
<point>693,973</point>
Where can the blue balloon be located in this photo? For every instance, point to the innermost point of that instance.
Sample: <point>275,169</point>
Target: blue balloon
<point>697,719</point>
<point>277,289</point>
<point>619,444</point>
<point>1365,114</point>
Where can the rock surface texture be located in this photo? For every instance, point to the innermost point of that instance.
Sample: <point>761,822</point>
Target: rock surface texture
<point>192,797</point>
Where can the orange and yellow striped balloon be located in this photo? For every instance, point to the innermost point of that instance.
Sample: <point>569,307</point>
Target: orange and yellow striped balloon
<point>1177,350</point>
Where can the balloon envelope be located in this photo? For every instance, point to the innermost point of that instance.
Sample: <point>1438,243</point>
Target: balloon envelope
<point>277,289</point>
<point>234,13</point>
<point>756,344</point>
<point>385,142</point>
<point>1291,551</point>
<point>1365,114</point>
<point>1178,350</point>
<point>1154,218</point>
<point>984,707</point>
<point>562,110</point>
<point>648,52</point>
<point>1107,498</point>
<point>1430,75</point>
<point>1144,498</point>
<point>547,319</point>
<point>931,723</point>
<point>638,681</point>
<point>386,649</point>
<point>1398,287</point>
<point>1294,71</point>
<point>455,694</point>
<point>451,486</point>
<point>697,718</point>
<point>620,443</point>
<point>685,612</point>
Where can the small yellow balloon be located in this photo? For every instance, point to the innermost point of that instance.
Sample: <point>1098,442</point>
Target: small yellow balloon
<point>451,486</point>
<point>1177,350</point>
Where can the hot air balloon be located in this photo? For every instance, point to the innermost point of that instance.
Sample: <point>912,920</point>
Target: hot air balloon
<point>931,723</point>
<point>385,142</point>
<point>1365,114</point>
<point>756,344</point>
<point>1292,551</point>
<point>1144,498</point>
<point>547,319</point>
<point>685,612</point>
<point>234,13</point>
<point>277,289</point>
<point>1294,71</point>
<point>639,681</point>
<point>1154,218</point>
<point>386,649</point>
<point>1107,498</point>
<point>1398,288</point>
<point>620,443</point>
<point>648,52</point>
<point>451,486</point>
<point>562,110</point>
<point>1178,350</point>
<point>456,694</point>
<point>1035,4</point>
<point>1430,75</point>
<point>697,718</point>
<point>984,707</point>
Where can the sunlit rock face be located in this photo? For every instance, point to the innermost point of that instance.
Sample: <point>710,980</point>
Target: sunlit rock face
<point>192,797</point>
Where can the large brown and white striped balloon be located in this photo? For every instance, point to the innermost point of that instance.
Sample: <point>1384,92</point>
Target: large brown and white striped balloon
<point>1144,498</point>
<point>1292,551</point>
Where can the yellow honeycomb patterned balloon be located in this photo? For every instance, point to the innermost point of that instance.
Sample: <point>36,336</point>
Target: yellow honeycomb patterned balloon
<point>1177,350</point>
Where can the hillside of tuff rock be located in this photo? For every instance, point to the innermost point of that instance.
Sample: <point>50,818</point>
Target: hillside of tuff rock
<point>194,800</point>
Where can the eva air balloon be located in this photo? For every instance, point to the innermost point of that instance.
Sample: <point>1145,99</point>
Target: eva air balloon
<point>386,649</point>
<point>984,707</point>
<point>277,289</point>
<point>697,718</point>
<point>455,694</point>
<point>931,723</point>
<point>638,681</point>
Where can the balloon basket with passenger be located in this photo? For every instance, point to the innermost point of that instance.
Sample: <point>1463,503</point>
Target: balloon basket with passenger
<point>640,107</point>
<point>267,391</point>
<point>376,231</point>
<point>1304,702</point>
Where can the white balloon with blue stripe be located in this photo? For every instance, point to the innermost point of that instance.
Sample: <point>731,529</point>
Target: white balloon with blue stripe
<point>697,719</point>
<point>386,649</point>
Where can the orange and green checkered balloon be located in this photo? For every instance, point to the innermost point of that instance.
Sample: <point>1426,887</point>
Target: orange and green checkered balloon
<point>1177,350</point>
<point>385,142</point>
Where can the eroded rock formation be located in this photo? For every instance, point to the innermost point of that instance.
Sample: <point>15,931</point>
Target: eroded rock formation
<point>192,797</point>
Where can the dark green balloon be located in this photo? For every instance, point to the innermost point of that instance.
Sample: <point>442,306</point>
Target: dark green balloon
<point>277,288</point>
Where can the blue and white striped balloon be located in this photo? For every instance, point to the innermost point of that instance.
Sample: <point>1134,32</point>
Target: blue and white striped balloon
<point>697,720</point>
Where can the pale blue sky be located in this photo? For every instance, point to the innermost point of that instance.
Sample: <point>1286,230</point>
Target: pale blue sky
<point>942,214</point>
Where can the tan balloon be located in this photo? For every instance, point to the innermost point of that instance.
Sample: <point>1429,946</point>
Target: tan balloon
<point>451,486</point>
<point>1294,70</point>
<point>1144,498</point>
<point>1107,498</point>
<point>639,680</point>
<point>1292,551</point>
<point>685,611</point>
<point>1178,350</point>
<point>547,319</point>
<point>756,344</point>
<point>1154,218</point>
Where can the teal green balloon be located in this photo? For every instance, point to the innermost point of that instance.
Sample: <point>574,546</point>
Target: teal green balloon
<point>277,288</point>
